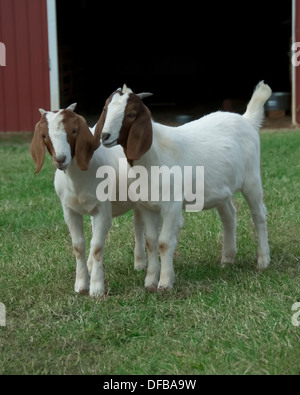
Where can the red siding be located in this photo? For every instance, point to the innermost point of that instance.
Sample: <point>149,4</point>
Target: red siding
<point>24,82</point>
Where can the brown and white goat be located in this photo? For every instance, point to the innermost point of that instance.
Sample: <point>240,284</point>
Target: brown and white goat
<point>227,146</point>
<point>77,154</point>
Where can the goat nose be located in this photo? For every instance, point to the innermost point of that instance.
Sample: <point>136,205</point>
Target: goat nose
<point>60,159</point>
<point>105,136</point>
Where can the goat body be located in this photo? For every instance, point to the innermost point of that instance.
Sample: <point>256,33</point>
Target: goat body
<point>77,189</point>
<point>226,144</point>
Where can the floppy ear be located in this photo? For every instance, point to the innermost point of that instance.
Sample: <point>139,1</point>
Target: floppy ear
<point>85,144</point>
<point>140,135</point>
<point>37,148</point>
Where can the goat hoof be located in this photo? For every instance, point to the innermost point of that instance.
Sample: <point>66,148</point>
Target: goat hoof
<point>97,291</point>
<point>228,259</point>
<point>151,282</point>
<point>139,264</point>
<point>226,262</point>
<point>152,289</point>
<point>165,287</point>
<point>83,292</point>
<point>263,262</point>
<point>82,287</point>
<point>166,282</point>
<point>98,295</point>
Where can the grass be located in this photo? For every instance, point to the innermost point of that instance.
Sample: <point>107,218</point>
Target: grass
<point>215,321</point>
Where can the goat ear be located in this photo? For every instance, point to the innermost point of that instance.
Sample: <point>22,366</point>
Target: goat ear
<point>37,148</point>
<point>72,107</point>
<point>126,89</point>
<point>42,112</point>
<point>85,144</point>
<point>140,135</point>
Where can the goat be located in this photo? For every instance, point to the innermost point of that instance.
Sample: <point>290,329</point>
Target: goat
<point>226,144</point>
<point>77,154</point>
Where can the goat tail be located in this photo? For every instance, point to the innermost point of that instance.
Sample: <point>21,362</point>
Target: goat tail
<point>255,111</point>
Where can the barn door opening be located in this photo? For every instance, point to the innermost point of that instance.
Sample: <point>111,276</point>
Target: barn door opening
<point>213,60</point>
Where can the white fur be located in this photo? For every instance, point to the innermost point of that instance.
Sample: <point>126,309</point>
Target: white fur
<point>228,146</point>
<point>77,192</point>
<point>58,138</point>
<point>125,89</point>
<point>115,114</point>
<point>255,111</point>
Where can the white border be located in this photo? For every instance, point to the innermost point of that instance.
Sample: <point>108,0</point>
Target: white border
<point>294,121</point>
<point>53,55</point>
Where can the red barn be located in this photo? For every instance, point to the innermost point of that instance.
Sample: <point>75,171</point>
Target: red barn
<point>24,81</point>
<point>49,50</point>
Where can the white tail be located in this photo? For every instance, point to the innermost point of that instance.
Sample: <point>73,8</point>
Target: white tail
<point>255,110</point>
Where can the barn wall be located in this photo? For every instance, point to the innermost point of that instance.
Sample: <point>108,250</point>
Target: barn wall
<point>24,82</point>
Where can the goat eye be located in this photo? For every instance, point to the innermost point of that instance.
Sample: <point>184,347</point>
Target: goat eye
<point>44,137</point>
<point>74,132</point>
<point>131,115</point>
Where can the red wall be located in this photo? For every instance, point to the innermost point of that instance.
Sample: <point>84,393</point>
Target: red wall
<point>24,82</point>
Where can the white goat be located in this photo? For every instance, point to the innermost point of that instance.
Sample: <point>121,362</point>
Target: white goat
<point>77,156</point>
<point>226,144</point>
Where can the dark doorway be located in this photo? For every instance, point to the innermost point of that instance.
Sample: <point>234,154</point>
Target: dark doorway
<point>194,53</point>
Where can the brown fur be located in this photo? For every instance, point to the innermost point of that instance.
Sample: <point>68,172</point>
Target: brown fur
<point>149,245</point>
<point>97,253</point>
<point>39,141</point>
<point>163,248</point>
<point>136,133</point>
<point>82,142</point>
<point>78,252</point>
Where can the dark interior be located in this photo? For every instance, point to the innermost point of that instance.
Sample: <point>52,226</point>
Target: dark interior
<point>192,54</point>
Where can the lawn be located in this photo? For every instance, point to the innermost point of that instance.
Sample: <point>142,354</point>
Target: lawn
<point>215,321</point>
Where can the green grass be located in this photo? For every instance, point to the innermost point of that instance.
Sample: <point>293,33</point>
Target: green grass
<point>215,321</point>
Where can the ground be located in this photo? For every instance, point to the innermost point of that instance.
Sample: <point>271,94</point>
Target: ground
<point>215,321</point>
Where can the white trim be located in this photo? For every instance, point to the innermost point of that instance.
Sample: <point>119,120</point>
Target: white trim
<point>53,55</point>
<point>294,121</point>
